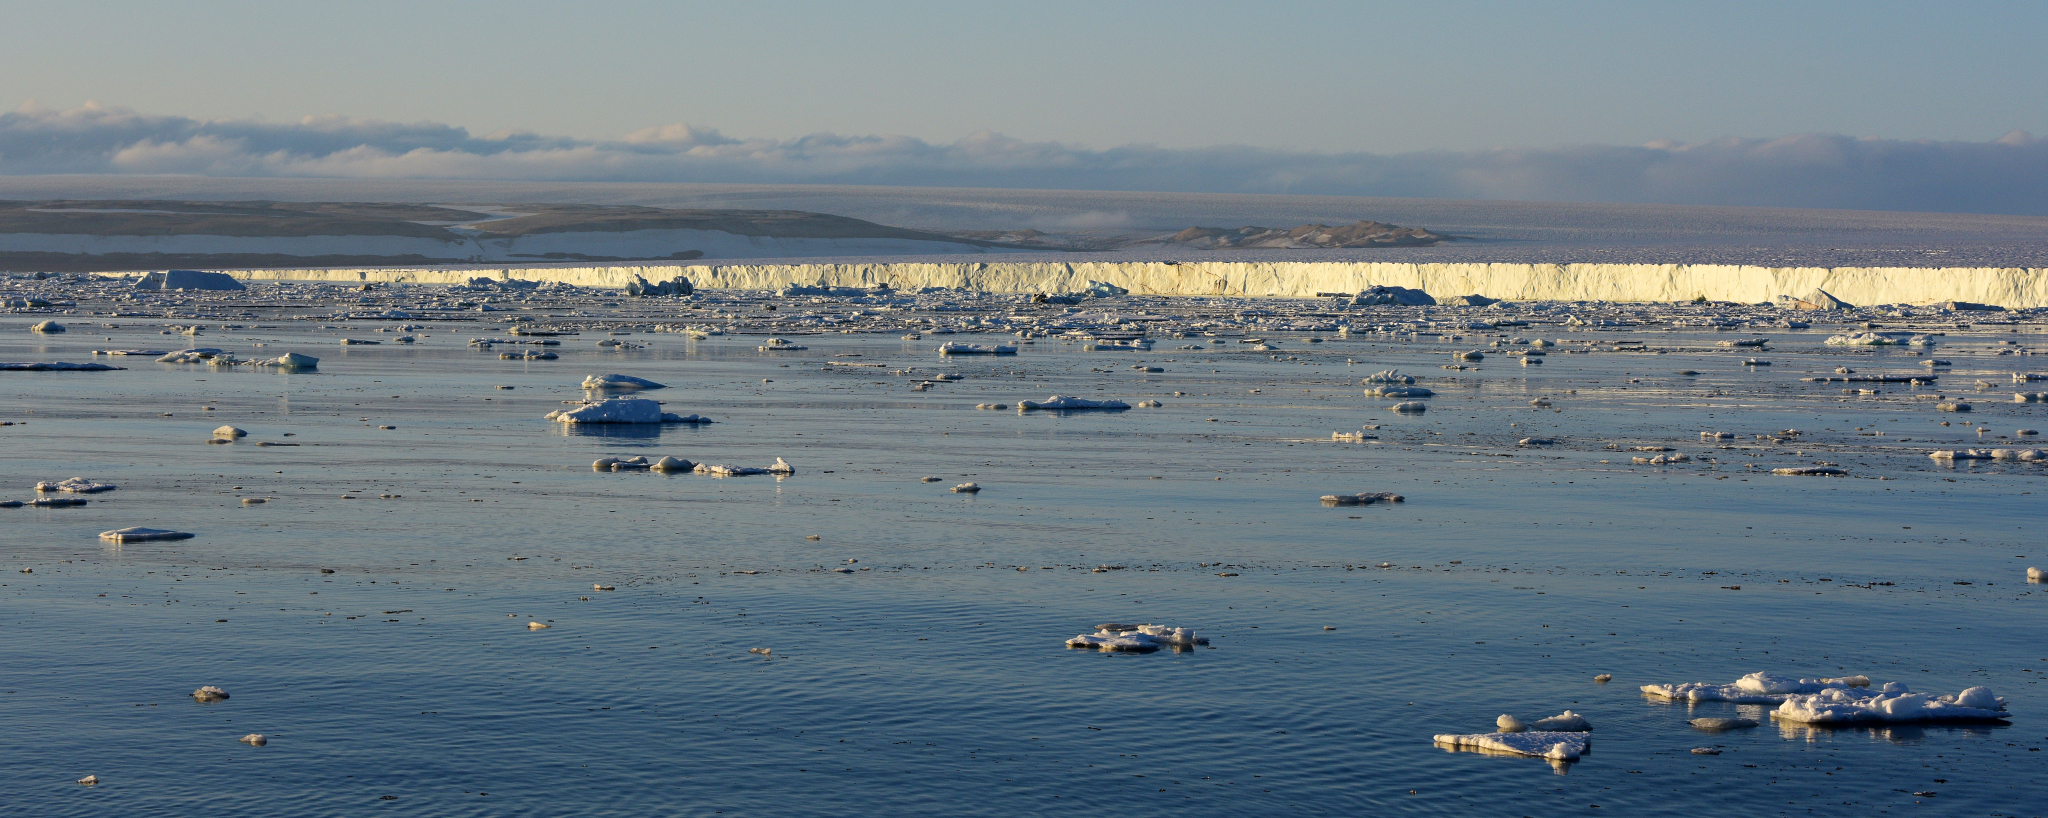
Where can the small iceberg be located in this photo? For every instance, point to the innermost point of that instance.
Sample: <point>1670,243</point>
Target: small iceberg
<point>620,382</point>
<point>1064,403</point>
<point>140,534</point>
<point>1113,638</point>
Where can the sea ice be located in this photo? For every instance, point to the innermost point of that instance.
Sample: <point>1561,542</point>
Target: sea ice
<point>291,360</point>
<point>1719,723</point>
<point>1809,470</point>
<point>1389,376</point>
<point>1566,722</point>
<point>620,382</point>
<point>956,348</point>
<point>229,431</point>
<point>1557,746</point>
<point>1064,403</point>
<point>75,485</point>
<point>1411,406</point>
<point>54,366</point>
<point>1755,688</point>
<point>140,534</point>
<point>46,327</point>
<point>1367,498</point>
<point>1398,392</point>
<point>966,488</point>
<point>1893,704</point>
<point>622,410</point>
<point>209,693</point>
<point>1136,638</point>
<point>254,740</point>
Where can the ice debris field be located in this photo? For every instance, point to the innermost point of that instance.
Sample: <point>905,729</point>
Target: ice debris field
<point>1393,514</point>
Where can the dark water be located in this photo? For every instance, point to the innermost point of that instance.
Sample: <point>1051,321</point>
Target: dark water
<point>933,681</point>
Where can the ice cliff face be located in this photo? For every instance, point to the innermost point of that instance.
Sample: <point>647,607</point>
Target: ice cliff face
<point>2008,287</point>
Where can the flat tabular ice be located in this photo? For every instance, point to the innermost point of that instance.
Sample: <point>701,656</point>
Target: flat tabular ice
<point>622,410</point>
<point>1557,746</point>
<point>1062,402</point>
<point>955,348</point>
<point>140,534</point>
<point>1136,638</point>
<point>620,382</point>
<point>75,485</point>
<point>1893,704</point>
<point>1755,688</point>
<point>1367,498</point>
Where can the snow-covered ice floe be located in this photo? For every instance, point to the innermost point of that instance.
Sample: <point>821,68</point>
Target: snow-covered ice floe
<point>1398,392</point>
<point>956,348</point>
<point>781,467</point>
<point>621,382</point>
<point>54,366</point>
<point>1892,704</point>
<point>1720,723</point>
<point>1364,499</point>
<point>622,410</point>
<point>75,485</point>
<point>140,534</point>
<point>291,360</point>
<point>1755,688</point>
<point>1136,638</point>
<point>1556,746</point>
<point>1136,345</point>
<point>1389,376</point>
<point>1874,339</point>
<point>1064,403</point>
<point>1809,471</point>
<point>1566,722</point>
<point>781,345</point>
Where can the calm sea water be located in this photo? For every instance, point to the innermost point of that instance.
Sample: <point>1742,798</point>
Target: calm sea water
<point>933,681</point>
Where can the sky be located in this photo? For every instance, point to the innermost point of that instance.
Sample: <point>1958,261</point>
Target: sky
<point>1883,105</point>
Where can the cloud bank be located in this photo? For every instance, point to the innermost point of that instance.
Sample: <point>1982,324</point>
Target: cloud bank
<point>2007,175</point>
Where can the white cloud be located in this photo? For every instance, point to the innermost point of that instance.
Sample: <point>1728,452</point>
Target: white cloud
<point>2005,175</point>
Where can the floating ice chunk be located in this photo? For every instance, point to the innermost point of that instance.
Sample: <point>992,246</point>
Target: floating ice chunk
<point>1705,751</point>
<point>2018,454</point>
<point>2029,397</point>
<point>1755,362</point>
<point>1149,404</point>
<point>1718,723</point>
<point>991,406</point>
<point>1755,688</point>
<point>1398,392</point>
<point>254,740</point>
<point>1365,499</point>
<point>1961,454</point>
<point>966,488</point>
<point>1064,403</point>
<point>781,345</point>
<point>1566,722</point>
<point>1837,705</point>
<point>722,470</point>
<point>1509,724</point>
<point>762,651</point>
<point>620,382</point>
<point>1469,355</point>
<point>1604,678</point>
<point>1352,436</point>
<point>1410,407</point>
<point>2037,575</point>
<point>781,467</point>
<point>140,534</point>
<point>1743,342</point>
<point>75,485</point>
<point>1389,376</point>
<point>535,626</point>
<point>1136,345</point>
<point>1956,406</point>
<point>89,780</point>
<point>209,693</point>
<point>1809,471</point>
<point>1136,638</point>
<point>46,327</point>
<point>1536,441</point>
<point>58,502</point>
<point>528,355</point>
<point>622,410</point>
<point>669,464</point>
<point>291,360</point>
<point>229,431</point>
<point>55,366</point>
<point>1557,746</point>
<point>957,348</point>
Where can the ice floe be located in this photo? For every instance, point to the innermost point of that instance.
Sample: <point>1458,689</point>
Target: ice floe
<point>966,488</point>
<point>622,410</point>
<point>46,327</point>
<point>1366,498</point>
<point>209,693</point>
<point>1809,471</point>
<point>1398,392</point>
<point>1722,723</point>
<point>55,366</point>
<point>1756,688</point>
<point>1566,722</point>
<point>1892,704</point>
<point>140,534</point>
<point>1389,376</point>
<point>620,382</point>
<point>1556,746</point>
<point>957,348</point>
<point>254,740</point>
<point>1111,638</point>
<point>75,485</point>
<point>230,432</point>
<point>1064,403</point>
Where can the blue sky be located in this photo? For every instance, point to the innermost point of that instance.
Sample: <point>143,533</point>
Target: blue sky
<point>1089,79</point>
